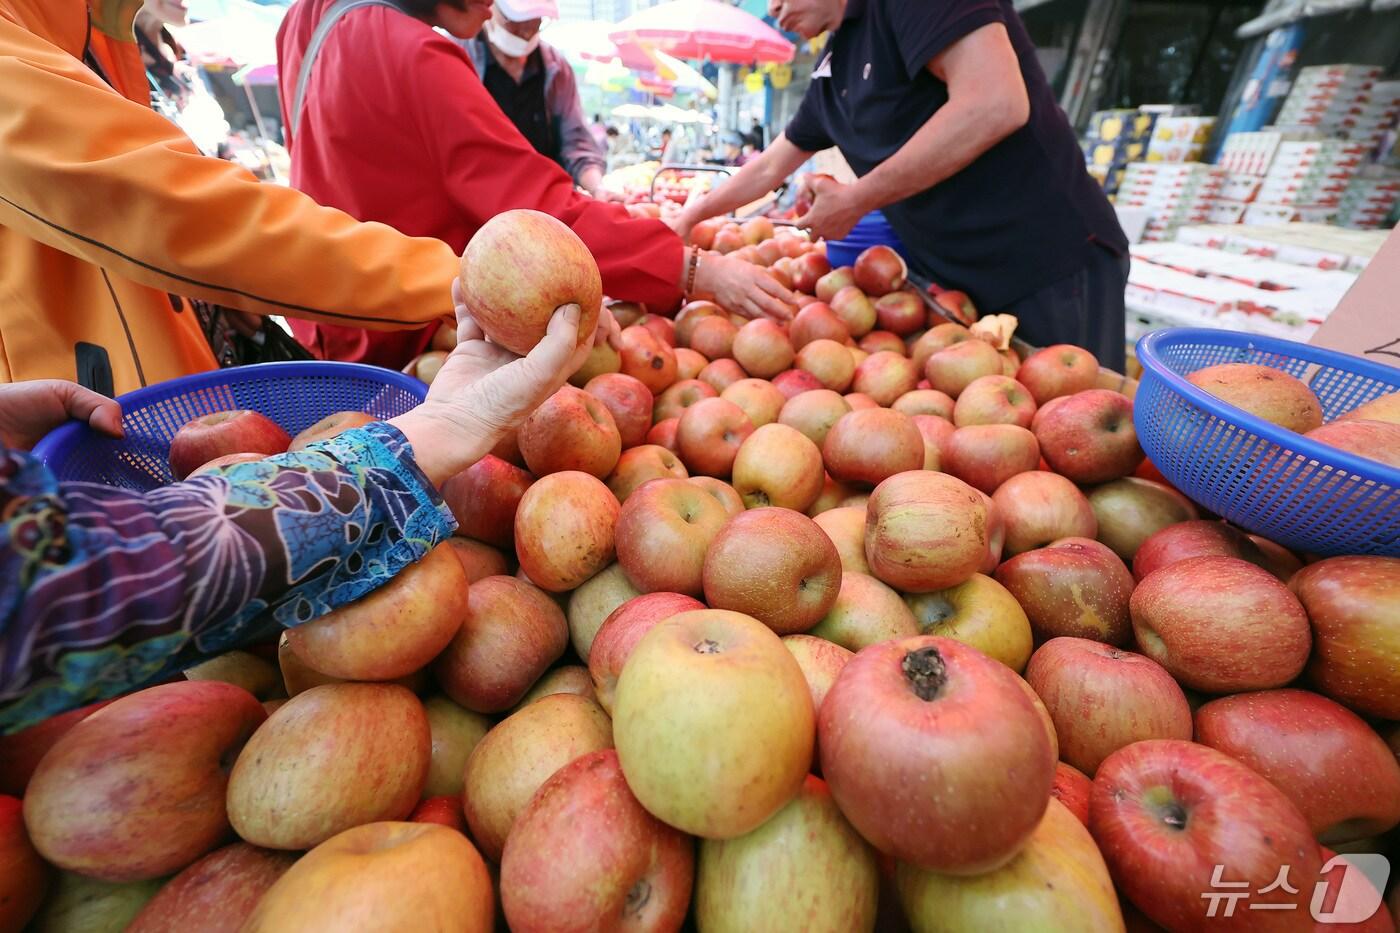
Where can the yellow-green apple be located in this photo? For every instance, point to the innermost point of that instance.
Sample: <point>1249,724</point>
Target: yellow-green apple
<point>1073,587</point>
<point>1262,391</point>
<point>24,877</point>
<point>913,761</point>
<point>936,433</point>
<point>709,435</point>
<point>762,348</point>
<point>722,373</point>
<point>477,558</point>
<point>679,396</point>
<point>1354,606</point>
<point>937,338</point>
<point>382,875</point>
<point>1197,538</point>
<point>1375,440</point>
<point>885,376</point>
<point>831,362</point>
<point>722,492</point>
<point>879,270</point>
<point>1176,821</point>
<point>993,399</point>
<point>854,309</point>
<point>689,364</point>
<point>878,341</point>
<point>663,533</point>
<point>714,723</point>
<point>779,466</point>
<point>509,635</point>
<point>986,455</point>
<point>979,612</point>
<point>591,603</point>
<point>454,731</point>
<point>518,268</point>
<point>241,431</point>
<point>1072,788</point>
<point>484,498</point>
<point>805,869</point>
<point>955,367</point>
<point>691,314</point>
<point>925,531</point>
<point>242,669</point>
<point>136,790</point>
<point>774,564</point>
<point>621,632</point>
<point>571,430</point>
<point>926,402</point>
<point>793,382</point>
<point>569,678</point>
<point>641,465</point>
<point>1337,771</point>
<point>758,398</point>
<point>395,630</point>
<point>1057,882</point>
<point>1382,408</point>
<point>1130,510</point>
<point>1277,559</point>
<point>648,359</point>
<point>846,529</point>
<point>564,529</point>
<point>1089,436</point>
<point>901,313</point>
<point>1039,507</point>
<point>519,754</point>
<point>813,413</point>
<point>331,426</point>
<point>1062,369</point>
<point>333,757</point>
<point>866,611</point>
<point>79,903</point>
<point>831,496</point>
<point>713,338</point>
<point>1101,698</point>
<point>835,280</point>
<point>817,322</point>
<point>628,401</point>
<point>868,446</point>
<point>1221,625</point>
<point>216,893</point>
<point>603,358</point>
<point>585,855</point>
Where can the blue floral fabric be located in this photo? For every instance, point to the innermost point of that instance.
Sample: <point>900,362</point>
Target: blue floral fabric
<point>103,590</point>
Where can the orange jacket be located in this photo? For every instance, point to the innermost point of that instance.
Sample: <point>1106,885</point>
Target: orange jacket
<point>107,210</point>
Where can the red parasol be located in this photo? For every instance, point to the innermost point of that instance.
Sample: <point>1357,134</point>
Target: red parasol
<point>706,30</point>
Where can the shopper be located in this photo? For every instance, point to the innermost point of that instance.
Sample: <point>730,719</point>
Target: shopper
<point>534,86</point>
<point>103,590</point>
<point>391,123</point>
<point>944,113</point>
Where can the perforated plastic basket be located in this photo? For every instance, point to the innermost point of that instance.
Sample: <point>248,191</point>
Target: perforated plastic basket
<point>295,395</point>
<point>1299,492</point>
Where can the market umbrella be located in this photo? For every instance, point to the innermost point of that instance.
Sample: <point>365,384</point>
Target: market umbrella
<point>704,30</point>
<point>683,76</point>
<point>589,42</point>
<point>632,112</point>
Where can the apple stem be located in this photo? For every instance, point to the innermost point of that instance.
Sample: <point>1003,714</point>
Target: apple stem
<point>926,672</point>
<point>707,647</point>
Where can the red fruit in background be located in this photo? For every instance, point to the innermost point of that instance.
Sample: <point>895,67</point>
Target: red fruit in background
<point>758,398</point>
<point>571,430</point>
<point>222,433</point>
<point>855,310</point>
<point>1089,436</point>
<point>986,455</point>
<point>663,434</point>
<point>901,313</point>
<point>813,413</point>
<point>21,752</point>
<point>621,631</point>
<point>713,338</point>
<point>663,328</point>
<point>629,401</point>
<point>484,498</point>
<point>1059,370</point>
<point>885,376</point>
<point>830,362</point>
<point>937,338</point>
<point>444,811</point>
<point>217,893</point>
<point>689,364</point>
<point>1072,788</point>
<point>709,436</point>
<point>681,395</point>
<point>936,433</point>
<point>957,305</point>
<point>780,466</point>
<point>1038,508</point>
<point>817,322</point>
<point>835,280</point>
<point>775,565</point>
<point>691,315</point>
<point>721,492</point>
<point>648,359</point>
<point>1131,510</point>
<point>868,446</point>
<point>564,530</point>
<point>882,340</point>
<point>1072,587</point>
<point>880,270</point>
<point>703,233</point>
<point>859,401</point>
<point>663,533</point>
<point>641,465</point>
<point>809,269</point>
<point>955,367</point>
<point>994,399</point>
<point>926,402</point>
<point>24,876</point>
<point>1199,538</point>
<point>762,348</point>
<point>794,382</point>
<point>721,374</point>
<point>1374,440</point>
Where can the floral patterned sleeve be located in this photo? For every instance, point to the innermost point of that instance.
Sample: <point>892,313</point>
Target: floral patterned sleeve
<point>103,590</point>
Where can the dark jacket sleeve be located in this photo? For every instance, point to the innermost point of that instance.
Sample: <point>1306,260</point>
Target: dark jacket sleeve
<point>578,149</point>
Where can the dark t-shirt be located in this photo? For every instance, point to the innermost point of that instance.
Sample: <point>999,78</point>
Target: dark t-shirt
<point>524,103</point>
<point>1015,221</point>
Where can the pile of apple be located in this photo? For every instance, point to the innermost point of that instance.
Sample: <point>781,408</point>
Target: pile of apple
<point>844,624</point>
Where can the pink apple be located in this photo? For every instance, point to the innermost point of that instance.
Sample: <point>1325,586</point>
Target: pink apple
<point>1038,508</point>
<point>1058,370</point>
<point>222,433</point>
<point>1089,436</point>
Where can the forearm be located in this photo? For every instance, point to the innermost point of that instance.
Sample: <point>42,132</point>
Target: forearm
<point>590,178</point>
<point>750,183</point>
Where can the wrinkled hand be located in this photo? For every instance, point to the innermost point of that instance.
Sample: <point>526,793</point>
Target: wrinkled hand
<point>29,410</point>
<point>835,211</point>
<point>743,288</point>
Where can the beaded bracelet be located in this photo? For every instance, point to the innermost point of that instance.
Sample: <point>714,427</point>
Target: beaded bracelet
<point>690,272</point>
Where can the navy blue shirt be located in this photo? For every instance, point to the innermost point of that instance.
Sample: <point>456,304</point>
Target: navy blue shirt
<point>1018,219</point>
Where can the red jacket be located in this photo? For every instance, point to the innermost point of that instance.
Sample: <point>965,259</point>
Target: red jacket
<point>397,127</point>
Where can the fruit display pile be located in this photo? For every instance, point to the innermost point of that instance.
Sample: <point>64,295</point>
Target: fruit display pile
<point>854,622</point>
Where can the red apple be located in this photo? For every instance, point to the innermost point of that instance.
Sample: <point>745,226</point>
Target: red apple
<point>690,315</point>
<point>855,310</point>
<point>484,498</point>
<point>1375,440</point>
<point>564,530</point>
<point>648,359</point>
<point>721,492</point>
<point>224,432</point>
<point>1183,540</point>
<point>956,367</point>
<point>721,374</point>
<point>835,280</point>
<point>775,565</point>
<point>663,533</point>
<point>885,376</point>
<point>679,396</point>
<point>1089,436</point>
<point>703,233</point>
<point>779,466</point>
<point>331,426</point>
<point>883,341</point>
<point>689,363</point>
<point>628,400</point>
<point>1072,587</point>
<point>821,662</point>
<point>24,877</point>
<point>832,496</point>
<point>662,328</point>
<point>936,433</point>
<point>601,359</point>
<point>709,435</point>
<point>794,382</point>
<point>1072,788</point>
<point>1354,605</point>
<point>1130,510</point>
<point>1264,392</point>
<point>758,398</point>
<point>868,446</point>
<point>1058,370</point>
<point>478,560</point>
<point>986,455</point>
<point>830,362</point>
<point>663,434</point>
<point>810,268</point>
<point>925,531</point>
<point>21,752</point>
<point>621,632</point>
<point>901,313</point>
<point>925,402</point>
<point>958,305</point>
<point>813,413</point>
<point>445,810</point>
<point>817,322</point>
<point>641,465</point>
<point>859,400</point>
<point>937,338</point>
<point>994,400</point>
<point>217,893</point>
<point>762,348</point>
<point>880,270</point>
<point>713,338</point>
<point>1038,508</point>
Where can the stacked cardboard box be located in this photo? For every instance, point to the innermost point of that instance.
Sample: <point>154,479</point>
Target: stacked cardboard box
<point>1114,139</point>
<point>1180,139</point>
<point>1332,98</point>
<point>1175,194</point>
<point>1369,199</point>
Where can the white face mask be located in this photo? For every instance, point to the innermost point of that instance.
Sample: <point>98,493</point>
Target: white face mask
<point>509,44</point>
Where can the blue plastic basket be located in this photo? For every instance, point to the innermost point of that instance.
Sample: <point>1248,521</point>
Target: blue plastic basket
<point>871,230</point>
<point>1301,493</point>
<point>295,395</point>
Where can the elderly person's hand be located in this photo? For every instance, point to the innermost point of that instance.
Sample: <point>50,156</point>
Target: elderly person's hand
<point>29,410</point>
<point>743,288</point>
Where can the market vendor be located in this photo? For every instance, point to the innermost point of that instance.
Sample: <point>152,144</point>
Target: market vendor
<point>946,117</point>
<point>389,121</point>
<point>534,86</point>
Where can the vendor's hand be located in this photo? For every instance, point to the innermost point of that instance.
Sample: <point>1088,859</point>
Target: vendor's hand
<point>29,410</point>
<point>743,288</point>
<point>834,213</point>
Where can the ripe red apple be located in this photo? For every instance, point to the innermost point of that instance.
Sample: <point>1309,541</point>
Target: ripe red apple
<point>1072,587</point>
<point>222,433</point>
<point>1089,436</point>
<point>1062,369</point>
<point>901,313</point>
<point>1183,540</point>
<point>136,789</point>
<point>957,305</point>
<point>679,396</point>
<point>564,530</point>
<point>689,364</point>
<point>443,810</point>
<point>628,400</point>
<point>882,341</point>
<point>1382,408</point>
<point>794,382</point>
<point>885,376</point>
<point>905,747</point>
<point>865,612</point>
<point>978,612</point>
<point>713,338</point>
<point>846,529</point>
<point>817,322</point>
<point>1038,508</point>
<point>218,463</point>
<point>217,893</point>
<point>957,366</point>
<point>721,492</point>
<point>1072,788</point>
<point>986,455</point>
<point>691,314</point>
<point>868,446</point>
<point>478,560</point>
<point>835,280</point>
<point>729,239</point>
<point>880,270</point>
<point>331,426</point>
<point>936,432</point>
<point>583,854</point>
<point>813,413</point>
<point>936,338</point>
<point>994,399</point>
<point>775,565</point>
<point>810,268</point>
<point>662,328</point>
<point>648,359</point>
<point>1221,625</point>
<point>779,466</point>
<point>762,348</point>
<point>758,398</point>
<point>1130,510</point>
<point>855,310</point>
<point>621,632</point>
<point>1375,440</point>
<point>830,362</point>
<point>24,877</point>
<point>1165,813</point>
<point>725,682</point>
<point>703,233</point>
<point>1264,392</point>
<point>484,499</point>
<point>925,402</point>
<point>663,533</point>
<point>641,465</point>
<point>722,373</point>
<point>518,268</point>
<point>663,434</point>
<point>859,400</point>
<point>1354,605</point>
<point>709,435</point>
<point>925,531</point>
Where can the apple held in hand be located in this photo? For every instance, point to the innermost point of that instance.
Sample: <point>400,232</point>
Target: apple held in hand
<point>1354,606</point>
<point>775,565</point>
<point>521,266</point>
<point>224,432</point>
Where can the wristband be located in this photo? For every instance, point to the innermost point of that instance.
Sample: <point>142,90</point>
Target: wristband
<point>690,272</point>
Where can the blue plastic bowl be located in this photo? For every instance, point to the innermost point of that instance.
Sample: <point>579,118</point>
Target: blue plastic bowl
<point>1299,492</point>
<point>295,395</point>
<point>871,230</point>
